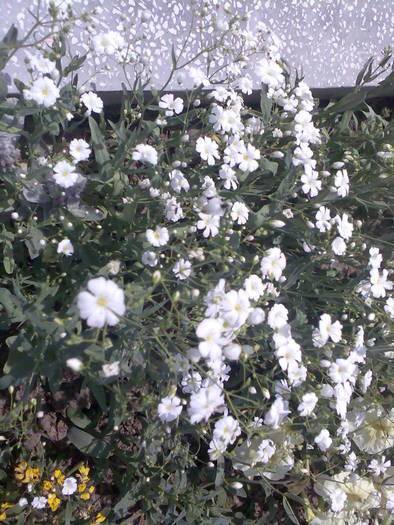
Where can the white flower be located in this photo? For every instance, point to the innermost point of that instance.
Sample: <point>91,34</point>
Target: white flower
<point>338,246</point>
<point>22,502</point>
<point>342,183</point>
<point>178,181</point>
<point>256,316</point>
<point>239,213</point>
<point>236,308</point>
<point>310,182</point>
<point>42,65</point>
<point>323,440</point>
<point>345,228</point>
<point>102,303</point>
<point>204,403</point>
<point>227,174</point>
<point>330,330</point>
<point>379,283</point>
<point>245,84</point>
<point>111,369</point>
<point>288,353</point>
<point>227,430</point>
<point>338,498</point>
<point>145,153</point>
<point>157,237</point>
<point>276,414</point>
<point>342,370</point>
<point>254,287</point>
<point>366,381</point>
<point>270,73</point>
<point>149,258</point>
<point>307,406</point>
<point>92,102</point>
<point>296,373</point>
<point>108,43</point>
<point>273,264</point>
<point>169,408</point>
<point>198,77</point>
<point>389,306</point>
<point>209,223</point>
<point>210,331</point>
<point>69,486</point>
<point>182,269</point>
<point>265,450</point>
<point>303,156</point>
<point>375,258</point>
<point>75,364</point>
<point>378,467</point>
<point>39,502</point>
<point>277,316</point>
<point>247,158</point>
<point>323,219</point>
<point>208,150</point>
<point>65,174</point>
<point>65,247</point>
<point>171,105</point>
<point>79,150</point>
<point>43,91</point>
<point>232,351</point>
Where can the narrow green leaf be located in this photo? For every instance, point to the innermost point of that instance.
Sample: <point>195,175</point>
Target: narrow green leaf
<point>289,511</point>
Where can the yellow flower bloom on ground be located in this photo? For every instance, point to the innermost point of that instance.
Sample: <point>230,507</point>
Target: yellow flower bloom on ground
<point>59,476</point>
<point>47,485</point>
<point>99,519</point>
<point>4,507</point>
<point>53,502</point>
<point>86,495</point>
<point>32,475</point>
<point>19,471</point>
<point>83,473</point>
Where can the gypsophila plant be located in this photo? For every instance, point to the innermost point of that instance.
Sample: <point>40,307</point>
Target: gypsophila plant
<point>196,294</point>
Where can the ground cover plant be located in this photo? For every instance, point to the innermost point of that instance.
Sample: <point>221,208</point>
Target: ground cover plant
<point>196,294</point>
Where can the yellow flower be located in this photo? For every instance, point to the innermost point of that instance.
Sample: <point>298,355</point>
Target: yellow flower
<point>99,519</point>
<point>19,471</point>
<point>86,495</point>
<point>31,475</point>
<point>4,507</point>
<point>84,473</point>
<point>53,502</point>
<point>81,487</point>
<point>47,486</point>
<point>59,476</point>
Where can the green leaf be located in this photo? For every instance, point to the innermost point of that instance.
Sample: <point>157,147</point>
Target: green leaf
<point>265,105</point>
<point>8,258</point>
<point>33,243</point>
<point>3,87</point>
<point>289,511</point>
<point>68,514</point>
<point>268,165</point>
<point>99,394</point>
<point>100,151</point>
<point>219,471</point>
<point>88,444</point>
<point>124,504</point>
<point>173,57</point>
<point>259,218</point>
<point>11,36</point>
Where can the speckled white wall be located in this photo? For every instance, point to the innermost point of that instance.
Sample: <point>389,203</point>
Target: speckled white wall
<point>328,39</point>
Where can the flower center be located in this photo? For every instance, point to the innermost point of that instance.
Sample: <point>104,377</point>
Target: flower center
<point>101,301</point>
